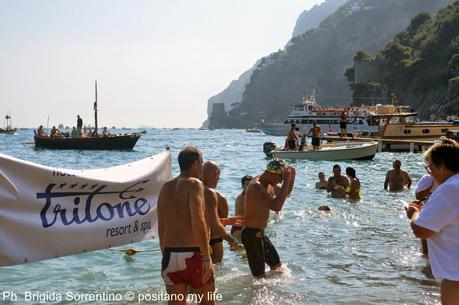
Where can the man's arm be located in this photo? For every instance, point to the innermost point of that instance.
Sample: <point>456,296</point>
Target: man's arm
<point>223,209</point>
<point>407,180</point>
<point>330,185</point>
<point>423,194</point>
<point>198,219</point>
<point>413,212</point>
<point>421,232</point>
<point>386,182</point>
<point>239,205</point>
<point>276,203</point>
<point>213,218</point>
<point>292,181</point>
<point>161,227</point>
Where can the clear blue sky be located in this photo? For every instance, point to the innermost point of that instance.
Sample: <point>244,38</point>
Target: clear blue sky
<point>156,61</point>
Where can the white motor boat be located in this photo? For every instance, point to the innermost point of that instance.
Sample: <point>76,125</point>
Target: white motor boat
<point>328,118</point>
<point>331,152</point>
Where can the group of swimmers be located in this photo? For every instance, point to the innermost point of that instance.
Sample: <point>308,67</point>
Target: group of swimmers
<point>339,185</point>
<point>192,216</point>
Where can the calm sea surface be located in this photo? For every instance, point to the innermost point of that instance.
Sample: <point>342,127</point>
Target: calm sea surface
<point>361,253</point>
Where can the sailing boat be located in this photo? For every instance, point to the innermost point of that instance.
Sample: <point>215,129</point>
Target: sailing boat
<point>94,142</point>
<point>8,129</point>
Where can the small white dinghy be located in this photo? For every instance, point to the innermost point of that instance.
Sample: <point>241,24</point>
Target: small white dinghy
<point>332,152</point>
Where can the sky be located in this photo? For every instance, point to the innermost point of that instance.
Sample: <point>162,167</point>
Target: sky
<point>157,62</point>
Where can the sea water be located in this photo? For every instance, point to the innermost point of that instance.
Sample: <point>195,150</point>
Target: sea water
<point>360,253</point>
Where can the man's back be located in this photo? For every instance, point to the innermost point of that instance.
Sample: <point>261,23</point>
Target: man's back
<point>174,215</point>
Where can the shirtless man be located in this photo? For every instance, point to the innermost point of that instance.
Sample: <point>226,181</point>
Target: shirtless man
<point>216,208</point>
<point>292,137</point>
<point>239,207</point>
<point>396,178</point>
<point>258,203</point>
<point>337,183</point>
<point>316,132</point>
<point>183,232</point>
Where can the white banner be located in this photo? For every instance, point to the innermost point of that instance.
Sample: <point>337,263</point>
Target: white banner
<point>49,212</point>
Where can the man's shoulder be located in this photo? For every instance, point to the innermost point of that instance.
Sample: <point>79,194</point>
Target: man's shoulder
<point>210,191</point>
<point>185,182</point>
<point>253,186</point>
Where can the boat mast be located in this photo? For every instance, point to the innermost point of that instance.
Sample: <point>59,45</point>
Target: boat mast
<point>95,108</point>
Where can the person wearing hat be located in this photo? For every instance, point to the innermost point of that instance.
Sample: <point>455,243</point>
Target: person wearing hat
<point>262,196</point>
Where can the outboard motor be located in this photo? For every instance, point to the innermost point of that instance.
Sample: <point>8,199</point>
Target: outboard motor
<point>268,147</point>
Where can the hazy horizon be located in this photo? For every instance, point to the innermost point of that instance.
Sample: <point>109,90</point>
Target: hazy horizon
<point>156,62</point>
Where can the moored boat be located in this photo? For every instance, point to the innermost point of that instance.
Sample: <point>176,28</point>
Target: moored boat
<point>332,152</point>
<point>112,142</point>
<point>95,141</point>
<point>8,127</point>
<point>328,118</point>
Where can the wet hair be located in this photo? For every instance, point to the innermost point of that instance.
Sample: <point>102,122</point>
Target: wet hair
<point>350,171</point>
<point>245,178</point>
<point>446,153</point>
<point>336,166</point>
<point>324,208</point>
<point>187,157</point>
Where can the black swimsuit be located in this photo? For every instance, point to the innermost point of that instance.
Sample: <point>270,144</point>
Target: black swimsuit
<point>259,250</point>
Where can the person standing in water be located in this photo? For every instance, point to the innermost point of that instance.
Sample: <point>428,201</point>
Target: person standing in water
<point>216,208</point>
<point>353,190</point>
<point>183,231</point>
<point>258,202</point>
<point>240,207</point>
<point>438,220</point>
<point>397,178</point>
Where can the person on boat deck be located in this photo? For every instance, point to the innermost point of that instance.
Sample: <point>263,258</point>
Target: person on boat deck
<point>438,220</point>
<point>239,207</point>
<point>343,124</point>
<point>55,133</point>
<point>292,138</point>
<point>105,132</point>
<point>87,132</point>
<point>297,140</point>
<point>337,183</point>
<point>79,123</point>
<point>302,142</point>
<point>41,132</point>
<point>75,133</point>
<point>397,178</point>
<point>183,231</point>
<point>322,183</point>
<point>216,207</point>
<point>258,203</point>
<point>353,190</point>
<point>316,132</point>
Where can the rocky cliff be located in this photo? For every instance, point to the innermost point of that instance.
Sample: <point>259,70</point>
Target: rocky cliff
<point>232,95</point>
<point>318,58</point>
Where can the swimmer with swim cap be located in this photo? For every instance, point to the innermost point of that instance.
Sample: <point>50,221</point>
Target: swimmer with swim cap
<point>275,166</point>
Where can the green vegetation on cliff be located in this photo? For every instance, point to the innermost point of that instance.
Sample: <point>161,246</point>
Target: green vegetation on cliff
<point>418,64</point>
<point>318,58</point>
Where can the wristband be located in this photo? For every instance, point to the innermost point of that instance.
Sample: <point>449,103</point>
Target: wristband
<point>205,260</point>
